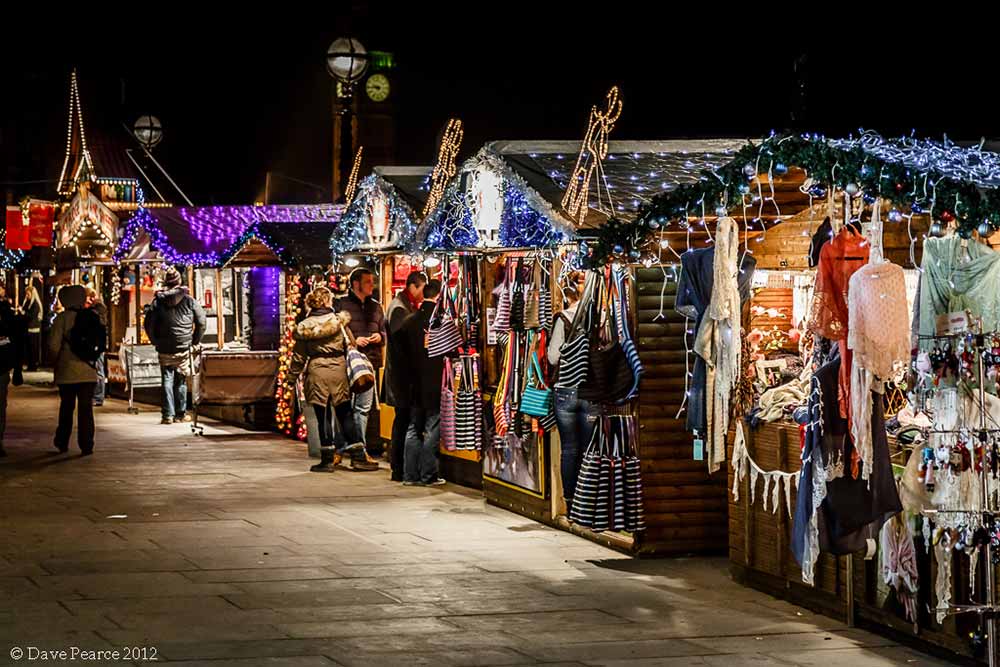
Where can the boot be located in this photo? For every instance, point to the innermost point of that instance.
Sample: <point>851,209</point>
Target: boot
<point>325,462</point>
<point>360,460</point>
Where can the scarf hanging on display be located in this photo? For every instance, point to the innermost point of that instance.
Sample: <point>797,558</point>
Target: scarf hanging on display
<point>878,337</point>
<point>718,340</point>
<point>958,275</point>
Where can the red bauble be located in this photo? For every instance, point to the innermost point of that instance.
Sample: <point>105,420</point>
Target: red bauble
<point>946,216</point>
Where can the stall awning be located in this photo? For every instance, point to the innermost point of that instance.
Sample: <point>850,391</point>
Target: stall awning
<point>283,244</point>
<point>490,205</point>
<point>382,217</point>
<point>201,236</point>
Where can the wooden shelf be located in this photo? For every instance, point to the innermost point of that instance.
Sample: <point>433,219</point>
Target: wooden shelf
<point>461,454</point>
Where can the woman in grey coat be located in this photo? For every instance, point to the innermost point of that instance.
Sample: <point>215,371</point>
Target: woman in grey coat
<point>75,378</point>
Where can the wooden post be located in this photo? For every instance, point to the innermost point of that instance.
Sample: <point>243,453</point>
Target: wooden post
<point>237,302</point>
<point>220,310</point>
<point>137,297</point>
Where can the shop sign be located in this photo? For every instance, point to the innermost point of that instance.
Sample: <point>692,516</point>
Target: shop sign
<point>87,210</point>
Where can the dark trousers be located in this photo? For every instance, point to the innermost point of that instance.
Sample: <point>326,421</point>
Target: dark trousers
<point>422,439</point>
<point>81,396</point>
<point>576,420</point>
<point>34,358</point>
<point>345,419</point>
<point>4,387</point>
<point>174,392</point>
<point>400,423</point>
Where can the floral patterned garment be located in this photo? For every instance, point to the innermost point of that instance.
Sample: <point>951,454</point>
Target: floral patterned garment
<point>838,260</point>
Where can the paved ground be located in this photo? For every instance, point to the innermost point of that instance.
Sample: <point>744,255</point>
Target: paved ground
<point>225,551</point>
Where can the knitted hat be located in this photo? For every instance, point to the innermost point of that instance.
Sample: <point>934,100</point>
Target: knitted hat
<point>171,278</point>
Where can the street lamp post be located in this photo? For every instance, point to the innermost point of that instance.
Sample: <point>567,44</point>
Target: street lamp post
<point>346,62</point>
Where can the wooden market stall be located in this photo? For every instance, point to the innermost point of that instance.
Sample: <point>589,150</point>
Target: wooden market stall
<point>377,230</point>
<point>232,257</point>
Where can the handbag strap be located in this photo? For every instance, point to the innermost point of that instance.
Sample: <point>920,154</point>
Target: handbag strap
<point>446,374</point>
<point>349,342</point>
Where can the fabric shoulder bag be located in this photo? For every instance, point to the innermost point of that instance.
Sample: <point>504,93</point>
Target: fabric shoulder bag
<point>443,335</point>
<point>360,372</point>
<point>537,398</point>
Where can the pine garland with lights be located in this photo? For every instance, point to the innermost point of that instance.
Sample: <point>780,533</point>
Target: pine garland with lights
<point>950,183</point>
<point>284,412</point>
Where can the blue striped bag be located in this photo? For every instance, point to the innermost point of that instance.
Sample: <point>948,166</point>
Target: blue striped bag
<point>627,343</point>
<point>360,372</point>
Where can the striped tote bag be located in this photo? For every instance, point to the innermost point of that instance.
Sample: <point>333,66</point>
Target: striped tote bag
<point>634,517</point>
<point>627,343</point>
<point>448,408</point>
<point>584,504</point>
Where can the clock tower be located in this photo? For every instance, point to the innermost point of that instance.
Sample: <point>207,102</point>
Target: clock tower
<point>376,100</point>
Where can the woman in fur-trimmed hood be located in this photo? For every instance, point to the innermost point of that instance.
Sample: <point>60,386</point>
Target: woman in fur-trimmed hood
<point>320,342</point>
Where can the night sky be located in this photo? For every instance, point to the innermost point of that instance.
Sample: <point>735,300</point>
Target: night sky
<point>240,96</point>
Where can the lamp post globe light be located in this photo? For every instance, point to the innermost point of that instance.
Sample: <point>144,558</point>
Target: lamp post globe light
<point>346,62</point>
<point>148,131</point>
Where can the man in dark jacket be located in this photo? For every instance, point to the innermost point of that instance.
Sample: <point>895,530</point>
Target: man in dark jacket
<point>424,375</point>
<point>368,326</point>
<point>406,302</point>
<point>174,322</point>
<point>12,332</point>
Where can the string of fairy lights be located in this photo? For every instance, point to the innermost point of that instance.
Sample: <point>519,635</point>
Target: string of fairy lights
<point>352,180</point>
<point>445,168</point>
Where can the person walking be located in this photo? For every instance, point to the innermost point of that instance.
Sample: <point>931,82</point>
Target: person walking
<point>12,332</point>
<point>424,374</point>
<point>368,328</point>
<point>175,323</point>
<point>396,383</point>
<point>31,308</point>
<point>321,342</point>
<point>95,303</point>
<point>76,331</point>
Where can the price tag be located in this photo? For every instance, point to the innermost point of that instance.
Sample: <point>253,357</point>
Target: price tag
<point>952,323</point>
<point>699,450</point>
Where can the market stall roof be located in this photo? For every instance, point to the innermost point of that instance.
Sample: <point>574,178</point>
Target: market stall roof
<point>202,235</point>
<point>488,204</point>
<point>633,172</point>
<point>282,244</point>
<point>384,213</point>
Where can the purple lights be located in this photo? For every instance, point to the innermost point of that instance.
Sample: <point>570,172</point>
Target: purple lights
<point>204,236</point>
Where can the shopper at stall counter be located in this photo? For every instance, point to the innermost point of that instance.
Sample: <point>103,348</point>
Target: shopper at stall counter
<point>575,417</point>
<point>406,302</point>
<point>368,327</point>
<point>75,378</point>
<point>320,343</point>
<point>95,303</point>
<point>424,396</point>
<point>11,347</point>
<point>31,308</point>
<point>174,323</point>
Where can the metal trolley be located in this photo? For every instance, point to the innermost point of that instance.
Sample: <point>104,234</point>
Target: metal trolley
<point>142,370</point>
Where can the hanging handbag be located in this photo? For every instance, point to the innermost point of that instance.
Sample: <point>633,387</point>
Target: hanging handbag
<point>609,376</point>
<point>517,298</point>
<point>443,334</point>
<point>634,515</point>
<point>537,397</point>
<point>502,320</point>
<point>466,424</point>
<point>545,300</point>
<point>360,372</point>
<point>531,303</point>
<point>628,345</point>
<point>616,479</point>
<point>447,408</point>
<point>584,503</point>
<point>500,415</point>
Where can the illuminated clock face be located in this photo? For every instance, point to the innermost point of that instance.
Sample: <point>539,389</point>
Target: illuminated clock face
<point>377,87</point>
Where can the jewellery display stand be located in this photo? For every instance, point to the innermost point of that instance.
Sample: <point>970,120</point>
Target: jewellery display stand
<point>988,608</point>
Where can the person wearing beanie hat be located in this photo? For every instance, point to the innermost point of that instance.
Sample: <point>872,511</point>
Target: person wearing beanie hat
<point>75,377</point>
<point>174,322</point>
